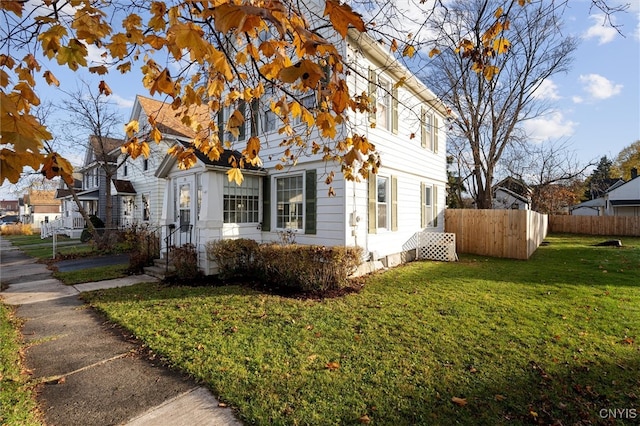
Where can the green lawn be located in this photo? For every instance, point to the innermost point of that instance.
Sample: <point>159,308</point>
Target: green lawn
<point>553,338</point>
<point>17,405</point>
<point>99,273</point>
<point>39,248</point>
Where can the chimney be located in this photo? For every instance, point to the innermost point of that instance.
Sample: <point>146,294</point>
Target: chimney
<point>634,173</point>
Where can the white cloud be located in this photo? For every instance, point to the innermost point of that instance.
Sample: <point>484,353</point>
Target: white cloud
<point>547,90</point>
<point>577,99</point>
<point>121,102</point>
<point>552,126</point>
<point>601,29</point>
<point>599,87</point>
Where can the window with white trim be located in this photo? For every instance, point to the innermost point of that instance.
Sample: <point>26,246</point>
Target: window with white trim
<point>382,202</point>
<point>241,203</point>
<point>289,196</point>
<point>428,205</point>
<point>426,134</point>
<point>383,104</point>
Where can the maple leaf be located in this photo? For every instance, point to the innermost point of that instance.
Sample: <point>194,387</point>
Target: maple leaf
<point>308,71</point>
<point>501,45</point>
<point>409,51</point>
<point>459,401</point>
<point>12,6</point>
<point>341,16</point>
<point>163,84</point>
<point>433,52</point>
<point>234,174</point>
<point>131,128</point>
<point>51,79</point>
<point>73,55</point>
<point>100,70</point>
<point>155,135</point>
<point>104,88</point>
<point>50,40</point>
<point>252,150</point>
<point>332,366</point>
<point>12,163</point>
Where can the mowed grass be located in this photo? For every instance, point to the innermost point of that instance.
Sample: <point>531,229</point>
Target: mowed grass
<point>34,246</point>
<point>17,404</point>
<point>481,341</point>
<point>99,273</point>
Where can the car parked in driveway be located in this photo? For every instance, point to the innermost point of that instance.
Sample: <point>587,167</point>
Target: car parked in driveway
<point>9,219</point>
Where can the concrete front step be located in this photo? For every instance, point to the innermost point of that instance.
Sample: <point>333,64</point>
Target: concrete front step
<point>159,268</point>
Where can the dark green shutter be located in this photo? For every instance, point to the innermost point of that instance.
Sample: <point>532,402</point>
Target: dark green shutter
<point>243,127</point>
<point>434,192</point>
<point>266,203</point>
<point>423,206</point>
<point>255,114</point>
<point>372,225</point>
<point>394,110</point>
<point>373,86</point>
<point>221,125</point>
<point>394,203</point>
<point>310,203</point>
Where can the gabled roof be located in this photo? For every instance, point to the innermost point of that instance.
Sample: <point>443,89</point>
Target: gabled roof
<point>168,119</point>
<point>514,186</point>
<point>223,163</point>
<point>101,149</point>
<point>596,202</point>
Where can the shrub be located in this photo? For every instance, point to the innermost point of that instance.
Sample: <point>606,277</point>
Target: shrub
<point>235,258</point>
<point>17,229</point>
<point>185,261</point>
<point>97,223</point>
<point>314,269</point>
<point>143,246</point>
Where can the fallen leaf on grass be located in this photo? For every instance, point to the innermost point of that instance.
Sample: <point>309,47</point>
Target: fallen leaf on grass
<point>500,397</point>
<point>628,341</point>
<point>332,366</point>
<point>459,401</point>
<point>222,405</point>
<point>364,419</point>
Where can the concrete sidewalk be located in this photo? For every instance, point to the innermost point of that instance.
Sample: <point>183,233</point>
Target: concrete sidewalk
<point>87,372</point>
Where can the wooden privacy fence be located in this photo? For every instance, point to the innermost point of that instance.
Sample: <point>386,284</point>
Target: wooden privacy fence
<point>596,225</point>
<point>514,234</point>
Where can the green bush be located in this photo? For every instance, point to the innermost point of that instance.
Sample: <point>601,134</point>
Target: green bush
<point>315,269</point>
<point>235,258</point>
<point>97,223</point>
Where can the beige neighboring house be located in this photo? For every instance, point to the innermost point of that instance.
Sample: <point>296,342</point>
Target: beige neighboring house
<point>624,200</point>
<point>40,206</point>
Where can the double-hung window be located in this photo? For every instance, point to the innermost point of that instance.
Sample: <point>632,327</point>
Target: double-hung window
<point>290,202</point>
<point>241,203</point>
<point>383,104</point>
<point>428,199</point>
<point>382,202</point>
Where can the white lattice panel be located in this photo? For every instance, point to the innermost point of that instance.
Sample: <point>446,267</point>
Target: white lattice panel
<point>437,246</point>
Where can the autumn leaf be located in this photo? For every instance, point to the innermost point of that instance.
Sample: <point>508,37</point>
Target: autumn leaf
<point>155,135</point>
<point>252,150</point>
<point>306,70</point>
<point>51,79</point>
<point>341,16</point>
<point>12,6</point>
<point>332,366</point>
<point>364,419</point>
<point>501,45</point>
<point>409,51</point>
<point>104,88</point>
<point>131,128</point>
<point>459,401</point>
<point>73,55</point>
<point>234,174</point>
<point>163,84</point>
<point>433,52</point>
<point>499,397</point>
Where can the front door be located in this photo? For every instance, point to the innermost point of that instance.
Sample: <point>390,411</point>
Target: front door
<point>184,199</point>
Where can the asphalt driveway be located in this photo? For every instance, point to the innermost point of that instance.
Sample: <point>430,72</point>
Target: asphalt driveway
<point>92,262</point>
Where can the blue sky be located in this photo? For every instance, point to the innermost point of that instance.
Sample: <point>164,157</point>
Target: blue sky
<point>595,106</point>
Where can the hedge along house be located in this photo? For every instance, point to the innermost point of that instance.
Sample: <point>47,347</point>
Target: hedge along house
<point>383,214</point>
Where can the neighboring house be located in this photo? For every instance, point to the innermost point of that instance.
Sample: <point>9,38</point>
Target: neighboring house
<point>624,200</point>
<point>588,208</point>
<point>140,190</point>
<point>39,206</point>
<point>511,193</point>
<point>9,207</point>
<point>90,183</point>
<point>620,199</point>
<point>382,214</point>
